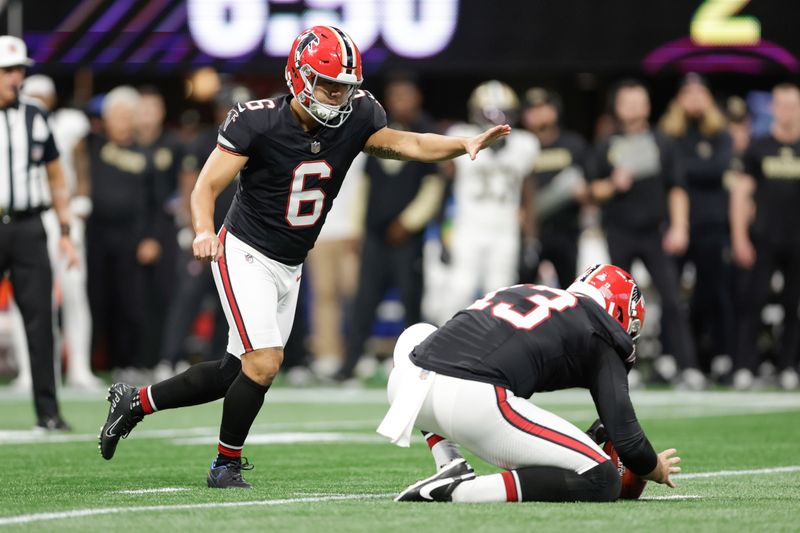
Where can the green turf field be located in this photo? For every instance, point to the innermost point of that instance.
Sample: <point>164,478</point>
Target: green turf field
<point>321,467</point>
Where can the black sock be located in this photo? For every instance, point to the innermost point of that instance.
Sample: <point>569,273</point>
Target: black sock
<point>243,401</point>
<point>552,484</point>
<point>200,383</point>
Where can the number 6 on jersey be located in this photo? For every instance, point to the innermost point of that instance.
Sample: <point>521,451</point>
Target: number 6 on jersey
<point>299,195</point>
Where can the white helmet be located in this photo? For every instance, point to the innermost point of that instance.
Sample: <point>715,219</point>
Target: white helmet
<point>492,103</point>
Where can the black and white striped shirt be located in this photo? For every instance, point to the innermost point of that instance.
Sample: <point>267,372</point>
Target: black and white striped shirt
<point>26,146</point>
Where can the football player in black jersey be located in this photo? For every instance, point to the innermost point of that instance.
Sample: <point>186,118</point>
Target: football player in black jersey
<point>467,383</point>
<point>292,154</point>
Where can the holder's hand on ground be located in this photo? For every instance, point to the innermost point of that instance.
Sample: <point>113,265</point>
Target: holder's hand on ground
<point>667,464</point>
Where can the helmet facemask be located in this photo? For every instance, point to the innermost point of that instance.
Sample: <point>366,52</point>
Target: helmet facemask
<point>331,116</point>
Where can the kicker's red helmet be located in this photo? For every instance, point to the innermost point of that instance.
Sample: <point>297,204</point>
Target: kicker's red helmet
<point>329,53</point>
<point>616,291</point>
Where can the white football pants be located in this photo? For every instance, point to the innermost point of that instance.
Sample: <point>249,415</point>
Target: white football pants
<point>491,422</point>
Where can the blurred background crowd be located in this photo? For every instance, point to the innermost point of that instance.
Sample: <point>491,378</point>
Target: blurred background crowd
<point>688,177</point>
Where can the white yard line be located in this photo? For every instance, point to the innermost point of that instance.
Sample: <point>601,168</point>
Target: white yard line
<point>152,491</point>
<point>724,473</point>
<point>30,436</point>
<point>290,438</point>
<point>672,497</point>
<point>81,513</point>
<point>330,395</point>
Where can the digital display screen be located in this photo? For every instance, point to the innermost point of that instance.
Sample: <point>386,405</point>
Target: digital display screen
<point>747,36</point>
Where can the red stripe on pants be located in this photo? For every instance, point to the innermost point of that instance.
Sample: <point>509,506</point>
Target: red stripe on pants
<point>226,283</point>
<point>520,422</point>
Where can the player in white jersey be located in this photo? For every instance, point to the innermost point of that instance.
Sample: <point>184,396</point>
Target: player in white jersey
<point>484,247</point>
<point>70,127</point>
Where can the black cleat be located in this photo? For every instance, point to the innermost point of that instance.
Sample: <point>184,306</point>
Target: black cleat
<point>228,475</point>
<point>53,423</point>
<point>440,486</point>
<point>597,432</point>
<point>121,419</point>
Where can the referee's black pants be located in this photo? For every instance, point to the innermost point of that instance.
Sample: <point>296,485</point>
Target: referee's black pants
<point>23,251</point>
<point>754,293</point>
<point>626,245</point>
<point>383,266</point>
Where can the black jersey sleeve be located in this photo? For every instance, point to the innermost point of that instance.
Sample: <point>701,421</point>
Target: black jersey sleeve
<point>375,117</point>
<point>237,133</point>
<point>609,388</point>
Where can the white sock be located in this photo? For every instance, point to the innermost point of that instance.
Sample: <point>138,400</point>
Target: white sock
<point>492,488</point>
<point>443,451</point>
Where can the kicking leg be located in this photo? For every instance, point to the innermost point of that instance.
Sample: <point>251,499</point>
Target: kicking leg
<point>201,383</point>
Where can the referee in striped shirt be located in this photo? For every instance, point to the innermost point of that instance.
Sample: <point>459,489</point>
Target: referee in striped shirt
<point>31,181</point>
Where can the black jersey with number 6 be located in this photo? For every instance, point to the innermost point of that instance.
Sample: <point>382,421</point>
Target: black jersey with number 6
<point>526,338</point>
<point>292,176</point>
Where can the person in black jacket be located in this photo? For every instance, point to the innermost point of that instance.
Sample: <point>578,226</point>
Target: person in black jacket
<point>764,222</point>
<point>700,132</point>
<point>554,193</point>
<point>121,234</point>
<point>636,175</point>
<point>467,383</point>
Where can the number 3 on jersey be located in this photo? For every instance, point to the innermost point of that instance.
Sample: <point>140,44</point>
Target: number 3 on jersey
<point>298,215</point>
<point>541,311</point>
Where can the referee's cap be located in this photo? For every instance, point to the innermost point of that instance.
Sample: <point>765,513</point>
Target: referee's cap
<point>13,52</point>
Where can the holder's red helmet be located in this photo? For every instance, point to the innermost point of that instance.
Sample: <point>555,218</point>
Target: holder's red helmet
<point>616,292</point>
<point>329,53</point>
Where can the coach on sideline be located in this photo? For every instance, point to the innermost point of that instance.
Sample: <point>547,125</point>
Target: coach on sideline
<point>27,149</point>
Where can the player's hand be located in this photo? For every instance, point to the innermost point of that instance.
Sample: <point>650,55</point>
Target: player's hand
<point>667,465</point>
<point>479,142</point>
<point>67,250</point>
<point>148,251</point>
<point>207,247</point>
<point>396,234</point>
<point>744,254</point>
<point>676,241</point>
<point>622,179</point>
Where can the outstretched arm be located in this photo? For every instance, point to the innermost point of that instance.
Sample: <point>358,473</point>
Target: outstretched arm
<point>388,143</point>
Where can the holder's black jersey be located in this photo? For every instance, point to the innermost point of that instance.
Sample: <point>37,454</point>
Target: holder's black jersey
<point>292,176</point>
<point>531,338</point>
<point>526,338</point>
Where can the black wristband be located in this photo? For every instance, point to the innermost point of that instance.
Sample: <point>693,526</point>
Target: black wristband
<point>65,230</point>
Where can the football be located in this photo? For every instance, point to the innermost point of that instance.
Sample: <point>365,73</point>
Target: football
<point>632,485</point>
